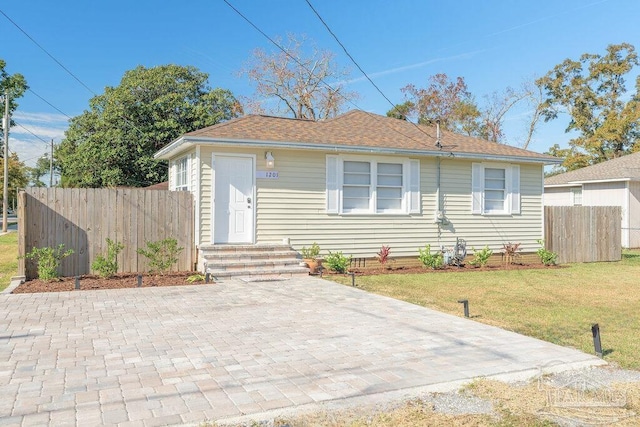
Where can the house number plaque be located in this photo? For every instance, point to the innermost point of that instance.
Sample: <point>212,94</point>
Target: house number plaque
<point>267,174</point>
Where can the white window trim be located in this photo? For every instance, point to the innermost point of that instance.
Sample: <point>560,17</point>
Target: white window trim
<point>186,186</point>
<point>512,184</point>
<point>410,202</point>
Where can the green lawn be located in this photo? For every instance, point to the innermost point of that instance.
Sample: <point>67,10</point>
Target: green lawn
<point>8,258</point>
<point>557,305</point>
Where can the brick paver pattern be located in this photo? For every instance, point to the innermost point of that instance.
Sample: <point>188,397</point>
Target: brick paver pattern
<point>159,356</point>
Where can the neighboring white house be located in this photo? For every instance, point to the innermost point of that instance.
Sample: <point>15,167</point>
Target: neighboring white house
<point>615,182</point>
<point>355,183</point>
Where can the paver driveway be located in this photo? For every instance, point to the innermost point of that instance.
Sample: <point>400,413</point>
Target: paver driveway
<point>158,356</point>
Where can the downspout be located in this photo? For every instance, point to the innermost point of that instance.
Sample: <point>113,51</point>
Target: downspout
<point>438,213</point>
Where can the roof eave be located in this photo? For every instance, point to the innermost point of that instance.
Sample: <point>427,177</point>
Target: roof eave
<point>173,148</point>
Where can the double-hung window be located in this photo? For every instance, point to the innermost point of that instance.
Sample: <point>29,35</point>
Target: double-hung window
<point>496,189</point>
<point>362,185</point>
<point>182,174</point>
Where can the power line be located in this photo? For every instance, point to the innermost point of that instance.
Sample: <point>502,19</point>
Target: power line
<point>46,142</point>
<point>297,61</point>
<point>394,106</point>
<point>349,55</point>
<point>47,52</point>
<point>50,104</point>
<point>64,68</point>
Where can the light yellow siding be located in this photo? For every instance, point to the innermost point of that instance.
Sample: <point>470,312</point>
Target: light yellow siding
<point>294,207</point>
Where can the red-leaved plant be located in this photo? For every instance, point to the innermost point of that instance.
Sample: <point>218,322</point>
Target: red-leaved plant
<point>383,255</point>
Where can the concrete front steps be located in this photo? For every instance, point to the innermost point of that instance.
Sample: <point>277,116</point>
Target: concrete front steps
<point>261,261</point>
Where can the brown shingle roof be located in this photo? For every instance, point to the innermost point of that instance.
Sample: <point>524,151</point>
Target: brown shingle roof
<point>621,168</point>
<point>357,129</point>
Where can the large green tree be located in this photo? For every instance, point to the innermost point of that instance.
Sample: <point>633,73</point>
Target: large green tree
<point>592,91</point>
<point>16,85</point>
<point>113,142</point>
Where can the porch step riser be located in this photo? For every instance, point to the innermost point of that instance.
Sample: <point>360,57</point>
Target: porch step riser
<point>249,266</point>
<point>301,271</point>
<point>252,260</point>
<point>222,257</point>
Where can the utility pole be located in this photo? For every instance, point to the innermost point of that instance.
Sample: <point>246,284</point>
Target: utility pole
<point>51,166</point>
<point>5,194</point>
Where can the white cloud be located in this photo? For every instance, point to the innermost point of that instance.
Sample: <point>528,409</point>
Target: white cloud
<point>31,136</point>
<point>465,55</point>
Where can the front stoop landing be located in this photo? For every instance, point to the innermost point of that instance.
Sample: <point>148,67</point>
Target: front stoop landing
<point>267,261</point>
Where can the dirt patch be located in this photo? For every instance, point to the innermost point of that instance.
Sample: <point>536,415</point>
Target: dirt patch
<point>119,281</point>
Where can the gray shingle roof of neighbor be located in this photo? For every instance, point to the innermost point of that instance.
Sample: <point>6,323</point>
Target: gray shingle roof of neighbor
<point>618,169</point>
<point>353,129</point>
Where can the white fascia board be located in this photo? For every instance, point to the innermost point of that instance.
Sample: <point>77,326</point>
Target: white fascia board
<point>171,149</point>
<point>165,153</point>
<point>561,185</point>
<point>597,181</point>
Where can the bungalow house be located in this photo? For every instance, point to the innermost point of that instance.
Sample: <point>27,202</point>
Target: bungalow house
<point>615,182</point>
<point>353,184</point>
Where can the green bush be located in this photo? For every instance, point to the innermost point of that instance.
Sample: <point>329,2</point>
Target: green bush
<point>433,261</point>
<point>310,253</point>
<point>108,266</point>
<point>481,257</point>
<point>48,260</point>
<point>546,256</point>
<point>162,255</point>
<point>337,262</point>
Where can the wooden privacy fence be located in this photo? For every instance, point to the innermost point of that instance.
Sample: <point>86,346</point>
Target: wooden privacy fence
<point>583,233</point>
<point>82,219</point>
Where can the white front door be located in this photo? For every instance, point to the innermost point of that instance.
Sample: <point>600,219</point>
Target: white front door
<point>233,199</point>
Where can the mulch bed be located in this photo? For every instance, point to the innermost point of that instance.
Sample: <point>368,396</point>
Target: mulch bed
<point>130,280</point>
<point>372,271</point>
<point>119,281</point>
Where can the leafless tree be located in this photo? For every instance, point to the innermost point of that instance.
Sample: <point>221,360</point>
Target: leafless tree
<point>306,86</point>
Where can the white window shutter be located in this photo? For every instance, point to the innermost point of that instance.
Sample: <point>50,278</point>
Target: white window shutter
<point>414,187</point>
<point>332,185</point>
<point>172,175</point>
<point>515,189</point>
<point>477,187</point>
<point>189,162</point>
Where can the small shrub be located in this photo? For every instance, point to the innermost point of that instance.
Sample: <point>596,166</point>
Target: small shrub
<point>196,278</point>
<point>433,261</point>
<point>383,255</point>
<point>162,255</point>
<point>108,266</point>
<point>338,262</point>
<point>48,260</point>
<point>310,253</point>
<point>546,256</point>
<point>481,257</point>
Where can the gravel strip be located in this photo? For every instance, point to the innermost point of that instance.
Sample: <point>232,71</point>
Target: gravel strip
<point>455,403</point>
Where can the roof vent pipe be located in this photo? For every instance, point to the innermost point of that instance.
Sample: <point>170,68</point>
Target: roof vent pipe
<point>438,144</point>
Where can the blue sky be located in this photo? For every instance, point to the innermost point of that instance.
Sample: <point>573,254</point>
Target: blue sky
<point>492,44</point>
